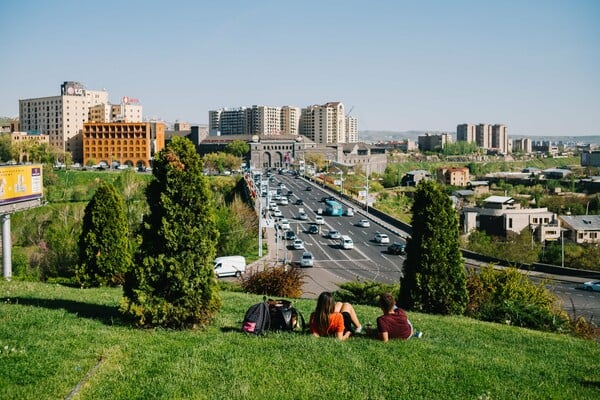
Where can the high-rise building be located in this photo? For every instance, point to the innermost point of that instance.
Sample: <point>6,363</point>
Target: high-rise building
<point>433,142</point>
<point>500,139</point>
<point>61,117</point>
<point>483,135</point>
<point>522,145</point>
<point>323,124</point>
<point>466,133</point>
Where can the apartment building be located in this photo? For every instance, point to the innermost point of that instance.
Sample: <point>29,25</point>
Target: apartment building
<point>124,112</point>
<point>61,117</point>
<point>522,145</point>
<point>124,143</point>
<point>323,124</point>
<point>20,141</point>
<point>487,136</point>
<point>433,142</point>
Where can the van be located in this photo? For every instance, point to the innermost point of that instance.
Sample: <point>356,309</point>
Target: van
<point>346,242</point>
<point>230,266</point>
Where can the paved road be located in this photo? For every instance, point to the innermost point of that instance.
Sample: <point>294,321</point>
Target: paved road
<point>369,260</point>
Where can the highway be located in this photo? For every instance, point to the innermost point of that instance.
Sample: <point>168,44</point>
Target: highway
<point>369,260</point>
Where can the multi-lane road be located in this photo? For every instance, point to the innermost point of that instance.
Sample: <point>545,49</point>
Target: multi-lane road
<point>369,259</point>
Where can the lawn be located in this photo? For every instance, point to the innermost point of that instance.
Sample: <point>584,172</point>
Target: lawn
<point>54,339</point>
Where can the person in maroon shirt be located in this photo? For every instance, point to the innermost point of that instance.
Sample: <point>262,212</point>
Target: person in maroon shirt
<point>394,323</point>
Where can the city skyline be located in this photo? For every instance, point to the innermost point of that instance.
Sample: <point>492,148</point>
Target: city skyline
<point>398,66</point>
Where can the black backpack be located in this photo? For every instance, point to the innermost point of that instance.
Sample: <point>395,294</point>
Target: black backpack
<point>257,319</point>
<point>284,317</point>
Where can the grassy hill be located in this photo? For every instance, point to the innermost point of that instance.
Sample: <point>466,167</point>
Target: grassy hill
<point>54,339</point>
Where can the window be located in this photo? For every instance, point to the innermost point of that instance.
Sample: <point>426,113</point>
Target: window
<point>510,224</point>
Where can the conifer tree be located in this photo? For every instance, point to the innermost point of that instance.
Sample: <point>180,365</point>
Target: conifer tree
<point>172,283</point>
<point>434,279</point>
<point>104,252</point>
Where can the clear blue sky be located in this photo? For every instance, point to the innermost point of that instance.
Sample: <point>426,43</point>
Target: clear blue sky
<point>401,65</point>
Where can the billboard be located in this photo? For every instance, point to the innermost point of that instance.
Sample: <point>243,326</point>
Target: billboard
<point>20,183</point>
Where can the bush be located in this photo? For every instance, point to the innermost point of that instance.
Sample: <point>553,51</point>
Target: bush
<point>509,296</point>
<point>276,281</point>
<point>366,292</point>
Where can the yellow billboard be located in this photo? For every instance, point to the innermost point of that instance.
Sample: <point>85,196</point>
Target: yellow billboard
<point>20,183</point>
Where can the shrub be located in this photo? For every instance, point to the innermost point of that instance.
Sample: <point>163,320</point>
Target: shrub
<point>277,281</point>
<point>365,292</point>
<point>509,296</point>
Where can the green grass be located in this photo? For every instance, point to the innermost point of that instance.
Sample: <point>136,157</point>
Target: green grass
<point>52,336</point>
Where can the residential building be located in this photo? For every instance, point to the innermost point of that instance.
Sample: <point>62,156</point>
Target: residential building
<point>454,176</point>
<point>590,159</point>
<point>128,111</point>
<point>122,143</point>
<point>582,228</point>
<point>503,216</point>
<point>522,145</point>
<point>61,117</point>
<point>290,120</point>
<point>20,141</point>
<point>483,135</point>
<point>412,178</point>
<point>499,139</point>
<point>182,126</point>
<point>351,129</point>
<point>466,133</point>
<point>433,142</point>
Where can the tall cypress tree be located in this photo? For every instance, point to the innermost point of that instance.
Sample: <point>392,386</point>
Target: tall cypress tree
<point>172,283</point>
<point>104,253</point>
<point>434,278</point>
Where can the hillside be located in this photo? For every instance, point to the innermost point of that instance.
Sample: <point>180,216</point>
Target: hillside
<point>53,338</point>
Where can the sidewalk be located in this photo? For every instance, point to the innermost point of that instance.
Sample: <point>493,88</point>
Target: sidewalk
<point>317,280</point>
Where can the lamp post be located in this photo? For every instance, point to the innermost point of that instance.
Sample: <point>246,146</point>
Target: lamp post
<point>367,193</point>
<point>562,242</point>
<point>341,181</point>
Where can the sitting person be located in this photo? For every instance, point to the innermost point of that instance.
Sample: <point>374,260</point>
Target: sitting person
<point>333,319</point>
<point>394,323</point>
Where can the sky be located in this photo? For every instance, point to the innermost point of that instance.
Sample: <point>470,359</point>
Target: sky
<point>397,65</point>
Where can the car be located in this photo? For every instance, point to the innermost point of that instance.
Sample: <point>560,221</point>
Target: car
<point>396,248</point>
<point>333,234</point>
<point>299,202</point>
<point>303,216</point>
<point>277,214</point>
<point>272,205</point>
<point>325,198</point>
<point>290,235</point>
<point>308,188</point>
<point>346,242</point>
<point>313,228</point>
<point>592,286</point>
<point>283,201</point>
<point>307,259</point>
<point>298,244</point>
<point>382,238</point>
<point>319,220</point>
<point>289,193</point>
<point>284,224</point>
<point>350,212</point>
<point>363,223</point>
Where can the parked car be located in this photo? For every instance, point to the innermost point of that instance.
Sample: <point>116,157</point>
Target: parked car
<point>396,248</point>
<point>363,223</point>
<point>307,259</point>
<point>289,193</point>
<point>277,214</point>
<point>382,238</point>
<point>283,201</point>
<point>333,234</point>
<point>298,244</point>
<point>592,286</point>
<point>313,228</point>
<point>229,266</point>
<point>290,235</point>
<point>319,220</point>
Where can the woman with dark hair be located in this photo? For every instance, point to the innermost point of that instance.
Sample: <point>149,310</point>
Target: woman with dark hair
<point>333,319</point>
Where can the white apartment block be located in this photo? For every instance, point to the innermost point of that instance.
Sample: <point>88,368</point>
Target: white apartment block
<point>323,124</point>
<point>61,117</point>
<point>116,113</point>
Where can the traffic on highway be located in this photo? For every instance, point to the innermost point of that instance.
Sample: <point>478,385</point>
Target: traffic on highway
<point>310,219</point>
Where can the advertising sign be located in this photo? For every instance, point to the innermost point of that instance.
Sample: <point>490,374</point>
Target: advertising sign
<point>20,183</point>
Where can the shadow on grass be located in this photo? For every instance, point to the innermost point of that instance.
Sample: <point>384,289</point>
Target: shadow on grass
<point>105,314</point>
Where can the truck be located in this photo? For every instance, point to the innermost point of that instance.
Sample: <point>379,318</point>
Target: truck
<point>230,266</point>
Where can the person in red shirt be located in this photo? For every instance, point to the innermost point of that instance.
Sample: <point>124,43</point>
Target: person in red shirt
<point>332,318</point>
<point>393,324</point>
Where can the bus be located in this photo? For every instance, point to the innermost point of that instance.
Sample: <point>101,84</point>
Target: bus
<point>333,208</point>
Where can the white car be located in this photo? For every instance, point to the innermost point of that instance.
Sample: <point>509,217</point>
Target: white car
<point>302,216</point>
<point>307,259</point>
<point>592,286</point>
<point>382,238</point>
<point>283,201</point>
<point>363,223</point>
<point>277,214</point>
<point>298,244</point>
<point>284,224</point>
<point>333,234</point>
<point>319,220</point>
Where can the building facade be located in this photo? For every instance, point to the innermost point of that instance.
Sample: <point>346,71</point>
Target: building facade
<point>433,142</point>
<point>522,145</point>
<point>466,133</point>
<point>487,136</point>
<point>61,117</point>
<point>123,143</point>
<point>454,176</point>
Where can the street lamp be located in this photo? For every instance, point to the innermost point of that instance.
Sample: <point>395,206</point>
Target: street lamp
<point>341,180</point>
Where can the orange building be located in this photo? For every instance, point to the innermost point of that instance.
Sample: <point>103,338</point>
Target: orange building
<point>125,143</point>
<point>455,176</point>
